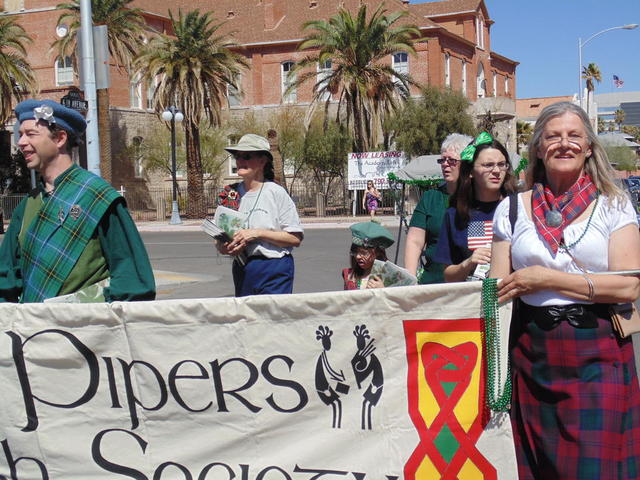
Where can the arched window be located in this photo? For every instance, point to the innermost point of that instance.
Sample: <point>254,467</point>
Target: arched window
<point>506,86</point>
<point>288,78</point>
<point>480,32</point>
<point>481,82</point>
<point>324,72</point>
<point>64,71</point>
<point>447,70</point>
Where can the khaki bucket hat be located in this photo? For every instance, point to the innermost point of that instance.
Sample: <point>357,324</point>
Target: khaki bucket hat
<point>251,143</point>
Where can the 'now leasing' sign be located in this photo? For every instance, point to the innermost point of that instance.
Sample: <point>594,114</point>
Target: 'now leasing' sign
<point>362,167</point>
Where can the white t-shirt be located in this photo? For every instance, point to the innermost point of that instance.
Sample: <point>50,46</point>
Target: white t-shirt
<point>592,251</point>
<point>270,208</point>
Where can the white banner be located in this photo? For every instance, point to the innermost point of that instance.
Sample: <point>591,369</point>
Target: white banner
<point>378,384</point>
<point>365,166</point>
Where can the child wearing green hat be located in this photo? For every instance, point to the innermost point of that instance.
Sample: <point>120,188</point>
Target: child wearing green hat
<point>368,243</point>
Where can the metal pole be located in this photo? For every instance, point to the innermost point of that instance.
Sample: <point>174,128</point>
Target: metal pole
<point>395,260</point>
<point>175,214</point>
<point>580,71</point>
<point>89,87</point>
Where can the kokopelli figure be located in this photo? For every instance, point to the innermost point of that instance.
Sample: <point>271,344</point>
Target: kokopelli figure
<point>325,374</point>
<point>367,367</point>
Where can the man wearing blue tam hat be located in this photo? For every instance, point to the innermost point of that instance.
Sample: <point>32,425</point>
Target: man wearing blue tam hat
<point>73,233</point>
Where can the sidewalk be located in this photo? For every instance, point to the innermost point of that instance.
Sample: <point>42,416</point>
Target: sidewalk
<point>309,223</point>
<point>388,221</point>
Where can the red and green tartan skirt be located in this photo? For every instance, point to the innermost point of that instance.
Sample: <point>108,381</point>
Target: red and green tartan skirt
<point>576,403</point>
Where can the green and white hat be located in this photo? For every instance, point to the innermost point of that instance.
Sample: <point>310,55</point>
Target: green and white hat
<point>371,235</point>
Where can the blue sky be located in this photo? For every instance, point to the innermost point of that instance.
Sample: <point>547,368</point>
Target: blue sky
<point>543,36</point>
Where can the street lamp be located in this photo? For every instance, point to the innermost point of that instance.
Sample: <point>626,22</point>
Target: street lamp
<point>581,44</point>
<point>173,115</point>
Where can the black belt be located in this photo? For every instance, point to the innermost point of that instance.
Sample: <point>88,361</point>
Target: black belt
<point>579,315</point>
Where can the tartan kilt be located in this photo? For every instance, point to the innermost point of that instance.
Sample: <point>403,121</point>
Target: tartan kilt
<point>576,403</point>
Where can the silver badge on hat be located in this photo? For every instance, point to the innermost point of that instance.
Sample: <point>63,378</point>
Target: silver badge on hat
<point>75,212</point>
<point>44,112</point>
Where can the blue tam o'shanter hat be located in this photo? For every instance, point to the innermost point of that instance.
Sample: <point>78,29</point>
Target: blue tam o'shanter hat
<point>53,113</point>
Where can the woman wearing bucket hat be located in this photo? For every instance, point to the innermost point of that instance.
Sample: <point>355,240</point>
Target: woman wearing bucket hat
<point>272,226</point>
<point>368,243</point>
<point>465,238</point>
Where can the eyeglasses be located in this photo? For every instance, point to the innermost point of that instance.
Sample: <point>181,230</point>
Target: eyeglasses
<point>243,156</point>
<point>490,166</point>
<point>572,138</point>
<point>362,252</point>
<point>451,161</point>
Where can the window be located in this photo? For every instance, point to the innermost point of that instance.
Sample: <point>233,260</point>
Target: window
<point>64,71</point>
<point>324,71</point>
<point>151,91</point>
<point>135,93</point>
<point>495,84</point>
<point>447,70</point>
<point>463,82</point>
<point>288,79</point>
<point>234,96</point>
<point>481,82</point>
<point>506,85</point>
<point>138,157</point>
<point>401,62</point>
<point>480,32</point>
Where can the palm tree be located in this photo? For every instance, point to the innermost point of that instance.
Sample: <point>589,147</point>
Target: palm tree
<point>591,73</point>
<point>192,71</point>
<point>16,76</point>
<point>619,117</point>
<point>125,34</point>
<point>359,48</point>
<point>524,130</point>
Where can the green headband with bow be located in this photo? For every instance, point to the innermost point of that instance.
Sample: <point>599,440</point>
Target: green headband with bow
<point>467,154</point>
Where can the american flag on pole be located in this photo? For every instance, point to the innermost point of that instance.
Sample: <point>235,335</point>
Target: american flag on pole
<point>617,81</point>
<point>479,234</point>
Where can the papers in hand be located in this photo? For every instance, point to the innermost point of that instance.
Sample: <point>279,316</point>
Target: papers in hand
<point>392,275</point>
<point>225,223</point>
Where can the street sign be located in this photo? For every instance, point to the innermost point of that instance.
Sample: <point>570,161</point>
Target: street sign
<point>75,101</point>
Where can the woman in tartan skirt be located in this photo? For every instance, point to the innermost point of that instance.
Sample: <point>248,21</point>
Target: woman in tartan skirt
<point>576,403</point>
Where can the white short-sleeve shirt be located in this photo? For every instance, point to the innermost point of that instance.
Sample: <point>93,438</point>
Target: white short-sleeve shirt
<point>270,208</point>
<point>592,251</point>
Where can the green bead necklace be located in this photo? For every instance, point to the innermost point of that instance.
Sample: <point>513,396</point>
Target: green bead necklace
<point>496,401</point>
<point>564,247</point>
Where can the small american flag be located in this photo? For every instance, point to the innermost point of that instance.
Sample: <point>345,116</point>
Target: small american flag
<point>479,234</point>
<point>617,81</point>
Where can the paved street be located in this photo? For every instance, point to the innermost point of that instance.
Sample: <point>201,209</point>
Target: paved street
<point>186,264</point>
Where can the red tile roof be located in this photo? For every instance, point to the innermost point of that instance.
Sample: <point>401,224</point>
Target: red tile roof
<point>530,108</point>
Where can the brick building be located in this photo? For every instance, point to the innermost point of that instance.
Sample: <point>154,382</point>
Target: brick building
<point>457,52</point>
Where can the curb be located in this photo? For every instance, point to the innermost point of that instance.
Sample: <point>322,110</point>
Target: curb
<point>308,223</point>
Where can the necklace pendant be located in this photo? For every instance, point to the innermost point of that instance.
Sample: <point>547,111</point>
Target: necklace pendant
<point>553,218</point>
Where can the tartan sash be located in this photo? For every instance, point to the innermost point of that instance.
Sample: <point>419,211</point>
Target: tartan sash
<point>59,233</point>
<point>570,204</point>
